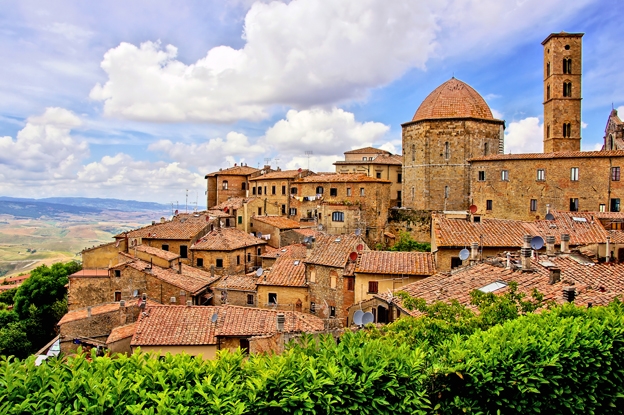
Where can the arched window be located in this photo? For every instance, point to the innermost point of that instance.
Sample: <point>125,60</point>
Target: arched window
<point>225,184</point>
<point>567,66</point>
<point>413,152</point>
<point>548,69</point>
<point>485,149</point>
<point>547,91</point>
<point>447,151</point>
<point>548,131</point>
<point>447,192</point>
<point>567,89</point>
<point>567,130</point>
<point>319,190</point>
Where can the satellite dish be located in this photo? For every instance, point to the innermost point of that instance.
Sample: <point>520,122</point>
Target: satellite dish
<point>353,256</point>
<point>306,240</point>
<point>537,243</point>
<point>367,317</point>
<point>358,231</point>
<point>473,209</point>
<point>464,254</point>
<point>214,317</point>
<point>357,317</point>
<point>259,271</point>
<point>359,247</point>
<point>259,234</point>
<point>550,216</point>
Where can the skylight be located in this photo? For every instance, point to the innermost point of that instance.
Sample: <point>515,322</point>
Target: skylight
<point>497,285</point>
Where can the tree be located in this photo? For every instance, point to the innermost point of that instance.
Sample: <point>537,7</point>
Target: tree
<point>406,244</point>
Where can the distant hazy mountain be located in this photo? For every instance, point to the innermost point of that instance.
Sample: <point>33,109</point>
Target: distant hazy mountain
<point>52,206</point>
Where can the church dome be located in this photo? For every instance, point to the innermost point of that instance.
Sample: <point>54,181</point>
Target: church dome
<point>453,99</point>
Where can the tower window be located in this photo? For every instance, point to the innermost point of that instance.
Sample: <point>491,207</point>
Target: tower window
<point>567,89</point>
<point>567,66</point>
<point>548,69</point>
<point>447,151</point>
<point>547,91</point>
<point>548,131</point>
<point>567,130</point>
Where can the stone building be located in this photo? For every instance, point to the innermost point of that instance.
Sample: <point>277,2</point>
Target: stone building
<point>237,211</point>
<point>239,290</point>
<point>453,124</point>
<point>614,132</point>
<point>377,163</point>
<point>283,286</point>
<point>228,251</point>
<point>329,274</point>
<point>119,339</point>
<point>274,189</point>
<point>103,256</point>
<point>230,182</point>
<point>270,228</point>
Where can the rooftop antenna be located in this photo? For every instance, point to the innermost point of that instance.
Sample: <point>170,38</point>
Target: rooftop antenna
<point>267,161</point>
<point>186,203</point>
<point>308,153</point>
<point>276,163</point>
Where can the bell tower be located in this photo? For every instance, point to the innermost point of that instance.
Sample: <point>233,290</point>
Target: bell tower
<point>562,92</point>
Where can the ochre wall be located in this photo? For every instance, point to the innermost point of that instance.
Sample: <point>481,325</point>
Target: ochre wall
<point>286,297</point>
<point>104,256</point>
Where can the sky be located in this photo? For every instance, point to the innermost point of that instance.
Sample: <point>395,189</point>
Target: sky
<point>140,99</point>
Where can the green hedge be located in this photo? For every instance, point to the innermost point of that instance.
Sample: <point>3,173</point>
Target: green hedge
<point>566,360</point>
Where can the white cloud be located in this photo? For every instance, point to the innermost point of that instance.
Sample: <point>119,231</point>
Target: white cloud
<point>524,136</point>
<point>323,132</point>
<point>389,146</point>
<point>304,53</point>
<point>68,31</point>
<point>497,114</point>
<point>583,124</point>
<point>316,163</point>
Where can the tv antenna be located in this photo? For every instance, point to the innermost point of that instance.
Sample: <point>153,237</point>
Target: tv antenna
<point>309,153</point>
<point>276,163</point>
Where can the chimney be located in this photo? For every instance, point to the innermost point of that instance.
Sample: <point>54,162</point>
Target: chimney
<point>162,219</point>
<point>212,268</point>
<point>508,260</point>
<point>122,303</point>
<point>153,222</point>
<point>554,276</point>
<point>527,241</point>
<point>281,319</point>
<point>547,208</point>
<point>88,311</point>
<point>550,245</point>
<point>474,252</point>
<point>608,251</point>
<point>569,293</point>
<point>189,303</point>
<point>565,243</point>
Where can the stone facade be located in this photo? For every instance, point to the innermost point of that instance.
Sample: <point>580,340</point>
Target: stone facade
<point>231,182</point>
<point>331,292</point>
<point>235,297</point>
<point>103,256</point>
<point>562,92</point>
<point>236,261</point>
<point>90,291</point>
<point>384,284</point>
<point>288,298</point>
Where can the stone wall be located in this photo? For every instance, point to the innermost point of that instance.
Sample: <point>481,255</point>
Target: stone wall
<point>323,295</point>
<point>103,256</point>
<point>417,223</point>
<point>173,244</point>
<point>238,261</point>
<point>266,229</point>
<point>385,283</point>
<point>89,291</point>
<point>287,298</point>
<point>234,297</point>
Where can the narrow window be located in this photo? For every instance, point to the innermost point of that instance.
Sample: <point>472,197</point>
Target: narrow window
<point>350,284</point>
<point>237,259</point>
<point>373,287</point>
<point>250,299</point>
<point>548,69</point>
<point>200,262</point>
<point>118,273</point>
<point>400,178</point>
<point>574,204</point>
<point>117,296</point>
<point>293,190</point>
<point>283,190</point>
<point>567,66</point>
<point>259,190</point>
<point>253,190</point>
<point>574,174</point>
<point>183,251</point>
<point>447,191</point>
<point>567,89</point>
<point>615,174</point>
<point>272,298</point>
<point>548,131</point>
<point>413,152</point>
<point>332,311</point>
<point>481,176</point>
<point>414,192</point>
<point>272,190</point>
<point>265,190</point>
<point>225,184</point>
<point>361,191</point>
<point>333,191</point>
<point>259,251</point>
<point>283,209</point>
<point>505,175</point>
<point>547,91</point>
<point>319,190</point>
<point>541,175</point>
<point>488,205</point>
<point>248,256</point>
<point>338,216</point>
<point>485,149</point>
<point>312,307</point>
<point>227,222</point>
<point>602,207</point>
<point>244,186</point>
<point>533,205</point>
<point>615,205</point>
<point>259,211</point>
<point>293,212</point>
<point>447,151</point>
<point>219,263</point>
<point>165,247</point>
<point>240,220</point>
<point>348,191</point>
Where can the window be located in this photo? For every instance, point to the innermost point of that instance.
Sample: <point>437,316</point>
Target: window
<point>574,174</point>
<point>259,251</point>
<point>219,263</point>
<point>253,191</point>
<point>505,175</point>
<point>259,211</point>
<point>272,298</point>
<point>348,191</point>
<point>548,69</point>
<point>237,259</point>
<point>447,192</point>
<point>350,283</point>
<point>265,190</point>
<point>533,205</point>
<point>333,276</point>
<point>244,186</point>
<point>567,89</point>
<point>283,190</point>
<point>363,158</point>
<point>615,174</point>
<point>293,212</point>
<point>338,216</point>
<point>413,152</point>
<point>200,262</point>
<point>259,190</point>
<point>400,178</point>
<point>272,190</point>
<point>240,220</point>
<point>332,311</point>
<point>118,273</point>
<point>567,130</point>
<point>455,262</point>
<point>250,299</point>
<point>165,247</point>
<point>567,66</point>
<point>488,205</point>
<point>373,287</point>
<point>399,198</point>
<point>541,175</point>
<point>548,131</point>
<point>227,222</point>
<point>293,190</point>
<point>547,91</point>
<point>117,296</point>
<point>447,151</point>
<point>312,307</point>
<point>615,205</point>
<point>602,207</point>
<point>283,209</point>
<point>333,191</point>
<point>574,205</point>
<point>485,149</point>
<point>225,184</point>
<point>481,176</point>
<point>378,175</point>
<point>248,256</point>
<point>361,191</point>
<point>183,251</point>
<point>319,190</point>
<point>370,159</point>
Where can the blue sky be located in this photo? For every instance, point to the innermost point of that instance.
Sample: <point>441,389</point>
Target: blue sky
<point>140,99</point>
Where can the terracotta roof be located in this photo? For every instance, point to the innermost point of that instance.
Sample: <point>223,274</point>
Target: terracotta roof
<point>121,332</point>
<point>226,239</point>
<point>334,250</point>
<point>341,178</point>
<point>175,325</point>
<point>233,203</point>
<point>82,313</point>
<point>400,263</point>
<point>280,222</point>
<point>233,171</point>
<point>282,174</point>
<point>367,150</point>
<point>192,325</point>
<point>159,253</point>
<point>288,270</point>
<point>394,159</point>
<point>90,273</point>
<point>19,278</point>
<point>8,287</point>
<point>581,226</point>
<point>193,280</point>
<point>181,227</point>
<point>595,283</point>
<point>215,213</point>
<point>237,282</point>
<point>270,252</point>
<point>284,250</point>
<point>554,155</point>
<point>307,231</point>
<point>98,246</point>
<point>453,99</point>
<point>616,237</point>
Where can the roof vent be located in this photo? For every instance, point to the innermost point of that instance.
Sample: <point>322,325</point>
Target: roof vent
<point>569,293</point>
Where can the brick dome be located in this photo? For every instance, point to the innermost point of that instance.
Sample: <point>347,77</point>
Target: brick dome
<point>453,99</point>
